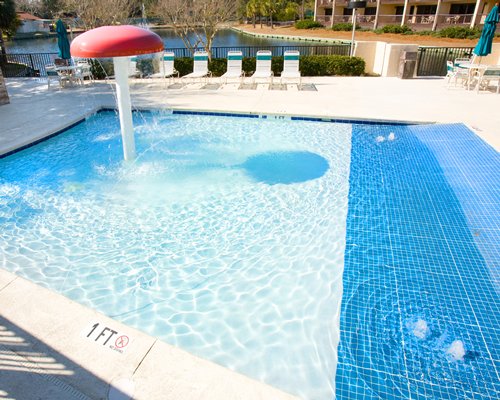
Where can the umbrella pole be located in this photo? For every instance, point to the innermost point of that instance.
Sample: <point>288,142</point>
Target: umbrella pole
<point>124,107</point>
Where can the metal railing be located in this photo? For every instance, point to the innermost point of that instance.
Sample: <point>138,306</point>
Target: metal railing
<point>26,65</point>
<point>251,51</point>
<point>431,61</point>
<point>33,64</point>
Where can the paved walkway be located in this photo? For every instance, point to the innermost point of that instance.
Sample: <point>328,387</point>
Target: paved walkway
<point>53,348</point>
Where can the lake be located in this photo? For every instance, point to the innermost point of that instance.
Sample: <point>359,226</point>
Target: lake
<point>226,37</point>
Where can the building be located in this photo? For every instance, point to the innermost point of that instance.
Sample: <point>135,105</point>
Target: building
<point>417,14</point>
<point>32,24</point>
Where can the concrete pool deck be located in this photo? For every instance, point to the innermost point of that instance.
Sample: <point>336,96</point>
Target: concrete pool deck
<point>53,348</point>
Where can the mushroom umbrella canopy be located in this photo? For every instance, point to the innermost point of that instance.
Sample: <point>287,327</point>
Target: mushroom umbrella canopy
<point>62,40</point>
<point>483,47</point>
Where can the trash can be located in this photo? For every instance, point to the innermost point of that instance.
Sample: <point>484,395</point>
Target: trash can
<point>407,63</point>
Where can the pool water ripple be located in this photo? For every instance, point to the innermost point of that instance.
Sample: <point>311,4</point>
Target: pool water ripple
<point>186,244</point>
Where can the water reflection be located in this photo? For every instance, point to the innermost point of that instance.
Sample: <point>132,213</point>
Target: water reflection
<point>223,38</point>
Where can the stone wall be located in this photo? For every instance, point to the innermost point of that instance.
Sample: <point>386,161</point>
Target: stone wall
<point>4,96</point>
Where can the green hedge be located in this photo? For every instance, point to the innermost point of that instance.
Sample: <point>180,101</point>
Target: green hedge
<point>331,65</point>
<point>343,26</point>
<point>307,24</point>
<point>459,32</point>
<point>309,66</point>
<point>395,29</point>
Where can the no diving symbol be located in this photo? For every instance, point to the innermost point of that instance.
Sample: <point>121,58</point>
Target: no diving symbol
<point>121,341</point>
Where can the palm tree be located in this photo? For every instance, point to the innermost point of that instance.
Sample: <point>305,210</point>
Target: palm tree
<point>251,10</point>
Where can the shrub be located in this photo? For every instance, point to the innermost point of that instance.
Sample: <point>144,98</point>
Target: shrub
<point>217,66</point>
<point>331,65</point>
<point>395,29</point>
<point>248,65</point>
<point>459,32</point>
<point>343,26</point>
<point>145,66</point>
<point>184,65</point>
<point>101,68</point>
<point>307,24</point>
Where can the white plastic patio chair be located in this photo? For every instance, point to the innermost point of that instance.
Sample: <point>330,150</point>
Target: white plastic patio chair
<point>83,70</point>
<point>54,75</point>
<point>167,69</point>
<point>488,75</point>
<point>263,66</point>
<point>200,66</point>
<point>454,73</point>
<point>234,66</point>
<point>291,66</point>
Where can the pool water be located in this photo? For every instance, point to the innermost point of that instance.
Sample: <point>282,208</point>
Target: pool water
<point>195,242</point>
<point>256,242</point>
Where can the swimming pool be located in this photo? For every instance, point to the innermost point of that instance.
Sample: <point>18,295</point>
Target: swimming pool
<point>195,244</point>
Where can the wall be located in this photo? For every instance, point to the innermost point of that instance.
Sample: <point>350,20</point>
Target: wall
<point>382,58</point>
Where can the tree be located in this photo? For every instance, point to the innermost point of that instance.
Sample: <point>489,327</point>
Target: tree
<point>99,13</point>
<point>271,7</point>
<point>9,22</point>
<point>196,21</point>
<point>252,10</point>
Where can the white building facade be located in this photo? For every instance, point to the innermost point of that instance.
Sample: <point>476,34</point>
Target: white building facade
<point>417,14</point>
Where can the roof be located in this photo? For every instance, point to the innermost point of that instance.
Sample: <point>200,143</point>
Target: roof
<point>27,17</point>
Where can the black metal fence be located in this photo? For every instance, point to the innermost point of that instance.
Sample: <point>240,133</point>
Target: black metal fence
<point>22,65</point>
<point>431,61</point>
<point>33,64</point>
<point>251,51</point>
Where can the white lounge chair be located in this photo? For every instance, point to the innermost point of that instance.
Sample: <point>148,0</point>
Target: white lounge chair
<point>291,66</point>
<point>167,69</point>
<point>234,66</point>
<point>200,66</point>
<point>263,66</point>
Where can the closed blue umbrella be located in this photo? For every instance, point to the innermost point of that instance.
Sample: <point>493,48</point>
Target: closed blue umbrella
<point>483,47</point>
<point>62,40</point>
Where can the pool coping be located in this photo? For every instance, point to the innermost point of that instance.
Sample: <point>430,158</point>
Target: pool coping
<point>59,333</point>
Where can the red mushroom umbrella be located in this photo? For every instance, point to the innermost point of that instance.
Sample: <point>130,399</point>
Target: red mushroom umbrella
<point>119,42</point>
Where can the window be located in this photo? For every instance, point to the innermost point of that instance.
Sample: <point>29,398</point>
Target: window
<point>462,8</point>
<point>426,10</point>
<point>370,10</point>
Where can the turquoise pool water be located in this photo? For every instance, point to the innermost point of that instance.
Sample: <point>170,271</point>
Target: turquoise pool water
<point>257,242</point>
<point>195,242</point>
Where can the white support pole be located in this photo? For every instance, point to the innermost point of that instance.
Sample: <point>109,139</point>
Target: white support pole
<point>406,9</point>
<point>124,107</point>
<point>353,30</point>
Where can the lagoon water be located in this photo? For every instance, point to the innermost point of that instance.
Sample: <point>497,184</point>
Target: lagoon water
<point>226,37</point>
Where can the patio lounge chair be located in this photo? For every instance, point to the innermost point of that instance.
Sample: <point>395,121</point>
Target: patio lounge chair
<point>234,66</point>
<point>167,69</point>
<point>291,66</point>
<point>200,66</point>
<point>263,66</point>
